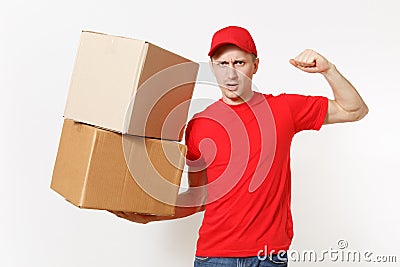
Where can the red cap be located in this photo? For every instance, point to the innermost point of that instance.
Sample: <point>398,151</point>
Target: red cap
<point>233,35</point>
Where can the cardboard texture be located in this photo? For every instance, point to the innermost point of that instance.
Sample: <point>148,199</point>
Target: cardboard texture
<point>91,171</point>
<point>130,86</point>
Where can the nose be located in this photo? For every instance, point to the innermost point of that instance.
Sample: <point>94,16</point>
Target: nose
<point>232,73</point>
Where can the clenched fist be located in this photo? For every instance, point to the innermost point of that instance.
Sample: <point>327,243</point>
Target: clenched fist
<point>311,62</point>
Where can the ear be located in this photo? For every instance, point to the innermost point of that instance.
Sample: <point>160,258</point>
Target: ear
<point>256,62</point>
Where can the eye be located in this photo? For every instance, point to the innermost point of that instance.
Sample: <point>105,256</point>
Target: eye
<point>239,63</point>
<point>222,64</point>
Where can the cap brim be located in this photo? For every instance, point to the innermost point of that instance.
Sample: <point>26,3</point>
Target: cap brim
<point>214,48</point>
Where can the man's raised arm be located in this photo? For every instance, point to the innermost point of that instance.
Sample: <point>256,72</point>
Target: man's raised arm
<point>348,104</point>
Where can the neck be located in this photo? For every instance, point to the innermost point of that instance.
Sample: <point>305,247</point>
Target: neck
<point>239,99</point>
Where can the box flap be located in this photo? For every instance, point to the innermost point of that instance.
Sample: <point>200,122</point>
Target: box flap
<point>72,162</point>
<point>156,166</point>
<point>128,112</point>
<point>162,100</point>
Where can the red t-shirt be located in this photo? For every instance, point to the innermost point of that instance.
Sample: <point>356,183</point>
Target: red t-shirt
<point>246,150</point>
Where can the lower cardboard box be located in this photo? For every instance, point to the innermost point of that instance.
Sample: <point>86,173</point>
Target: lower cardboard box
<point>100,169</point>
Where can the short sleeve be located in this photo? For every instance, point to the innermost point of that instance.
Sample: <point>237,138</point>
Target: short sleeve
<point>193,155</point>
<point>308,112</point>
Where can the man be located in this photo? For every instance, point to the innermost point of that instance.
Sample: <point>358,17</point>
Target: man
<point>239,147</point>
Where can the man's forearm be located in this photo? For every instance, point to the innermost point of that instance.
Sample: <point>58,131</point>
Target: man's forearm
<point>180,212</point>
<point>187,204</point>
<point>194,199</point>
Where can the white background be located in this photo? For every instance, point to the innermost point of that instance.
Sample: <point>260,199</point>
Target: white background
<point>345,177</point>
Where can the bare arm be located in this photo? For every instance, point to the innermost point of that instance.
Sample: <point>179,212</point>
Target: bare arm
<point>347,104</point>
<point>189,202</point>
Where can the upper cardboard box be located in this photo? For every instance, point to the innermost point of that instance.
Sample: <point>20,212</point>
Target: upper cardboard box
<point>130,86</point>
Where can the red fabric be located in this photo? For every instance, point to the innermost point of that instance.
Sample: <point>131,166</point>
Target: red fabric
<point>233,35</point>
<point>246,149</point>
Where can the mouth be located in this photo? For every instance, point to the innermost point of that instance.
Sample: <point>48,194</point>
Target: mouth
<point>232,86</point>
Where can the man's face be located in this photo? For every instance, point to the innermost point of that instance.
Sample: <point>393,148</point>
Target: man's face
<point>234,69</point>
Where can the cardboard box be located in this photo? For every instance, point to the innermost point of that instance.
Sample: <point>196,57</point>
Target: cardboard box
<point>130,86</point>
<point>99,169</point>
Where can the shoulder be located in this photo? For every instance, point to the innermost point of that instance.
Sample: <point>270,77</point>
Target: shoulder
<point>204,117</point>
<point>299,99</point>
<point>211,112</point>
<point>280,100</point>
<point>281,97</point>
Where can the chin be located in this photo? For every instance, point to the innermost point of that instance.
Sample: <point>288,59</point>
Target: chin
<point>233,98</point>
<point>232,95</point>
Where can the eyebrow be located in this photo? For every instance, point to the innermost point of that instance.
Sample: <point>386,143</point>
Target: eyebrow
<point>236,60</point>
